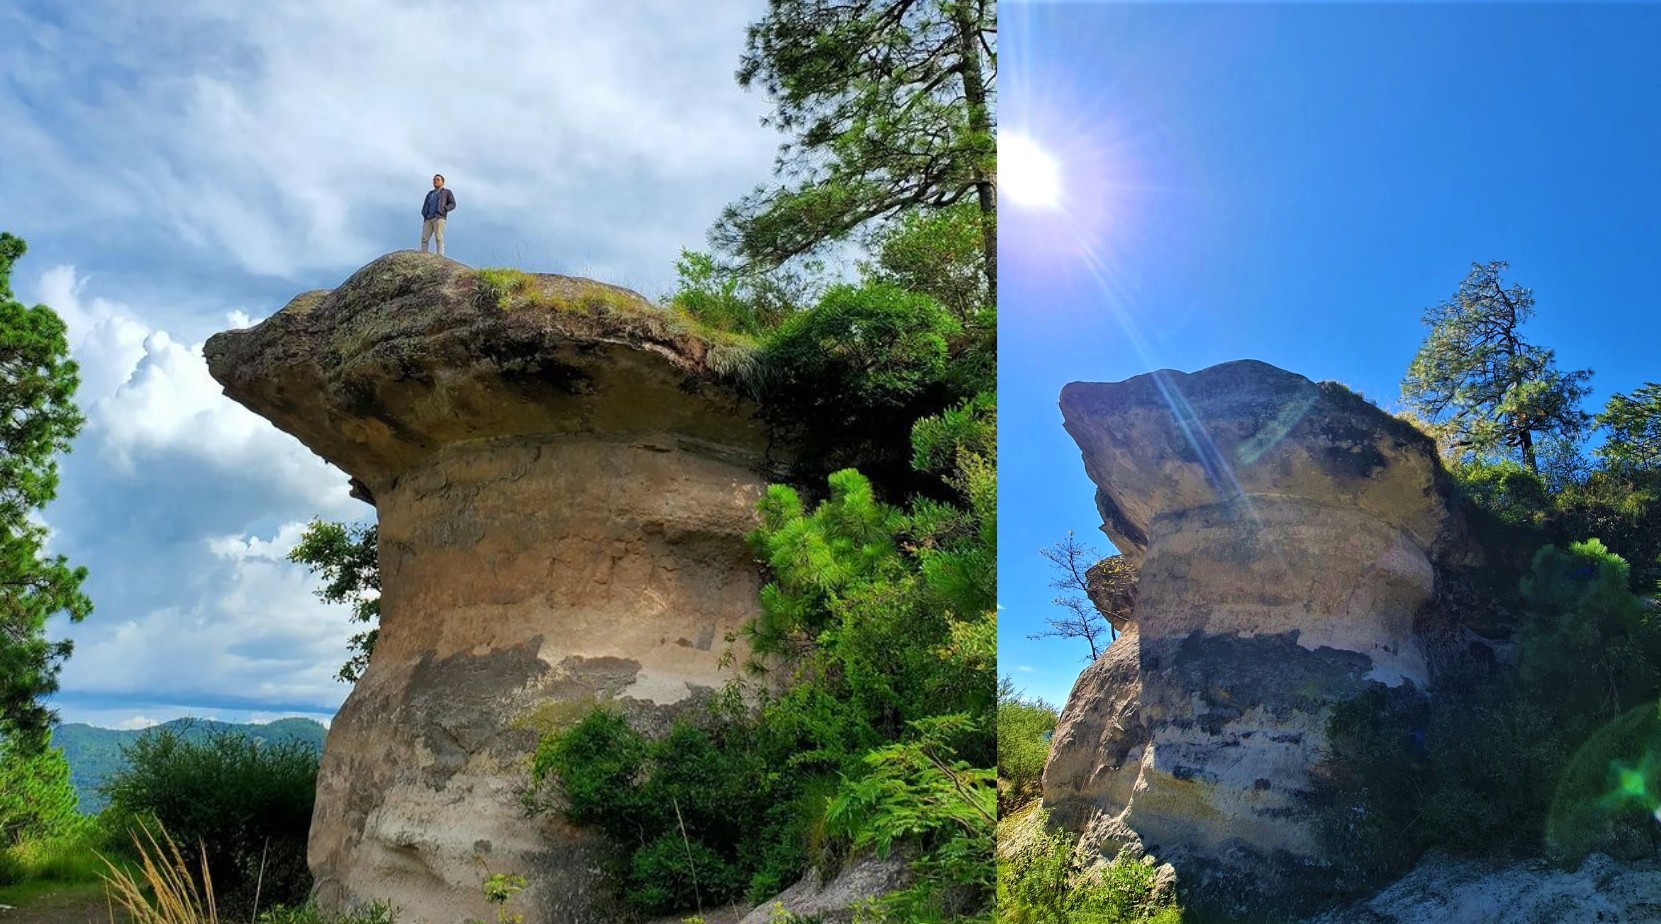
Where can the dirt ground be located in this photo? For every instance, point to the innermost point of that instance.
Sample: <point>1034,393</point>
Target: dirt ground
<point>79,904</point>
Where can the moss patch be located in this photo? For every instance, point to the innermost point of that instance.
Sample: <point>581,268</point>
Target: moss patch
<point>580,303</point>
<point>553,716</point>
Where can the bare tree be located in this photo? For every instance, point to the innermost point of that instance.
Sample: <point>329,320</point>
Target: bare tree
<point>1080,617</point>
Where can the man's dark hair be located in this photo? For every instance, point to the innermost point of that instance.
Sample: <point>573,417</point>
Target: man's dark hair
<point>438,176</point>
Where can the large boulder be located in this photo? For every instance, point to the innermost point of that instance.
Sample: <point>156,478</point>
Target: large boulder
<point>1289,537</point>
<point>564,486</point>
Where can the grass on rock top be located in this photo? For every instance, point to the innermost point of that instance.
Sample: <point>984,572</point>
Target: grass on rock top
<point>727,354</point>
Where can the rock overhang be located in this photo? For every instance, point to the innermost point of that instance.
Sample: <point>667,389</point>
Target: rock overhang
<point>415,352</point>
<point>564,478</point>
<point>1244,432</point>
<point>1292,541</point>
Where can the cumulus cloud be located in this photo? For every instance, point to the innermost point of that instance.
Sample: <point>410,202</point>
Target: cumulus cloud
<point>150,401</point>
<point>249,629</point>
<point>162,498</point>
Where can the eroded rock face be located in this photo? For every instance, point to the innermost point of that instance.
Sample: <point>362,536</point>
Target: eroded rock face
<point>563,494</point>
<point>1289,536</point>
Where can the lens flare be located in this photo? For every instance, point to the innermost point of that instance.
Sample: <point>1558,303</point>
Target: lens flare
<point>1612,782</point>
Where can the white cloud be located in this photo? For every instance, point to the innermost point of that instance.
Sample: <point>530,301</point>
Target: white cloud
<point>169,404</point>
<point>106,339</point>
<point>253,548</point>
<point>251,630</point>
<point>136,722</point>
<point>295,135</point>
<point>163,454</point>
<point>149,397</point>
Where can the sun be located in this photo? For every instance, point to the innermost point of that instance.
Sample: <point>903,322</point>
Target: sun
<point>1028,173</point>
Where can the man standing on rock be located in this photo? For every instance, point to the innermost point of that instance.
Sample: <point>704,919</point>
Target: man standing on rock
<point>440,203</point>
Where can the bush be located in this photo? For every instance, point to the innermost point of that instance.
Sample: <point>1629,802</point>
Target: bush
<point>879,625</point>
<point>1483,769</point>
<point>1042,879</point>
<point>698,812</point>
<point>745,301</point>
<point>1622,509</point>
<point>247,803</point>
<point>1024,727</point>
<point>36,799</point>
<point>63,858</point>
<point>848,378</point>
<point>914,793</point>
<point>938,253</point>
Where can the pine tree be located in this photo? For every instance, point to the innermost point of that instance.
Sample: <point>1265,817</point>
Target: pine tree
<point>1634,424</point>
<point>1490,392</point>
<point>891,106</point>
<point>38,418</point>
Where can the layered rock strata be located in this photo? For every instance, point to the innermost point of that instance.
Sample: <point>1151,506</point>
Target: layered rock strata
<point>563,491</point>
<point>1288,536</point>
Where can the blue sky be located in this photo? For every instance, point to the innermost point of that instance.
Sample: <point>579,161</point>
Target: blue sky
<point>180,168</point>
<point>1296,184</point>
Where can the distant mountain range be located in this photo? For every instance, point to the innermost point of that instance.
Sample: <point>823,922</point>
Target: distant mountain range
<point>94,754</point>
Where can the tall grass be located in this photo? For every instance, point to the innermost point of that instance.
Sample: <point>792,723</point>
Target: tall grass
<point>65,859</point>
<point>174,895</point>
<point>162,889</point>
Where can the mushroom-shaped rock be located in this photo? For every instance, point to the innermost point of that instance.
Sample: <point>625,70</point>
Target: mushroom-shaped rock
<point>1288,536</point>
<point>564,488</point>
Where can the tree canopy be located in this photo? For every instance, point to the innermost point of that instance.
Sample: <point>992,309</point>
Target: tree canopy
<point>38,419</point>
<point>1489,392</point>
<point>1634,423</point>
<point>890,104</point>
<point>347,558</point>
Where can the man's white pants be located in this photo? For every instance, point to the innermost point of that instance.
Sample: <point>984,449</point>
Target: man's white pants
<point>432,228</point>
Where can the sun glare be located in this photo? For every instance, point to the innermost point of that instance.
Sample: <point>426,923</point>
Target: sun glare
<point>1028,173</point>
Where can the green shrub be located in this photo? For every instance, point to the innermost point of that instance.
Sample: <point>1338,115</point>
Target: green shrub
<point>1590,646</point>
<point>938,253</point>
<point>698,812</point>
<point>1024,727</point>
<point>63,858</point>
<point>1512,493</point>
<point>37,801</point>
<point>1511,757</point>
<point>744,302</point>
<point>1042,879</point>
<point>372,913</point>
<point>247,803</point>
<point>1622,509</point>
<point>848,378</point>
<point>879,624</point>
<point>914,793</point>
<point>1610,792</point>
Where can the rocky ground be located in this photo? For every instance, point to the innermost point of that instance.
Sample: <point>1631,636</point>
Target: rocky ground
<point>1444,889</point>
